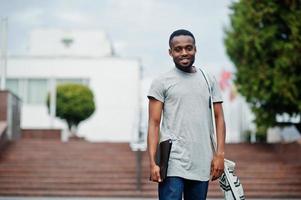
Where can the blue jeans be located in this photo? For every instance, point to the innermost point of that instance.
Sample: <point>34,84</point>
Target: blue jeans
<point>172,188</point>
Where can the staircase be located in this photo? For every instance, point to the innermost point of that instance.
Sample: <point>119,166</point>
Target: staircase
<point>35,166</point>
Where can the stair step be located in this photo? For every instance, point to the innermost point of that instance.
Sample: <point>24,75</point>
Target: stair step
<point>48,167</point>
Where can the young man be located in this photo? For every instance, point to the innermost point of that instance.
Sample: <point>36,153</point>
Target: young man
<point>182,95</point>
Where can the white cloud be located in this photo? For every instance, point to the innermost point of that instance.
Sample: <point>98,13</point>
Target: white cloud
<point>28,17</point>
<point>80,19</point>
<point>72,17</point>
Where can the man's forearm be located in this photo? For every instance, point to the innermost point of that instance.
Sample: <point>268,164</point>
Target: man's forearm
<point>152,141</point>
<point>220,128</point>
<point>220,135</point>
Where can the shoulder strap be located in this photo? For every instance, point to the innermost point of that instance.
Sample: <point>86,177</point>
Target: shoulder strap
<point>213,141</point>
<point>212,133</point>
<point>207,80</point>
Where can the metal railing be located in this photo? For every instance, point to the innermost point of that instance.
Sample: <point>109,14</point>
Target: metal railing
<point>10,113</point>
<point>139,147</point>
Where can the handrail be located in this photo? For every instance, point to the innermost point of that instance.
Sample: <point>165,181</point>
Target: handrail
<point>138,148</point>
<point>10,115</point>
<point>3,127</point>
<point>3,134</point>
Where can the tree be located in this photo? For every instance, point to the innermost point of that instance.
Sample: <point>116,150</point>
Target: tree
<point>264,43</point>
<point>74,103</point>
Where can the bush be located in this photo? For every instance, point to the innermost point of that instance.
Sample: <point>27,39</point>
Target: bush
<point>74,103</point>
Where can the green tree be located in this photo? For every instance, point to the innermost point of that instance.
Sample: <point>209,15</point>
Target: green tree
<point>264,43</point>
<point>74,103</point>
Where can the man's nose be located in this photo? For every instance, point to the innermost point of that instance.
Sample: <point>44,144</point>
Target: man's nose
<point>184,52</point>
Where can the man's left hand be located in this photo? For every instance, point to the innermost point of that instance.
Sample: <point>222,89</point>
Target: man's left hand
<point>217,166</point>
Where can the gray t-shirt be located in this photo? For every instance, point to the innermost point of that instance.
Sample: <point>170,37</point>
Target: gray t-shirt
<point>187,121</point>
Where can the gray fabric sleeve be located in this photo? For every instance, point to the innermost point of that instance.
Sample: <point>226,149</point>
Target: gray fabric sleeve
<point>216,92</point>
<point>156,90</point>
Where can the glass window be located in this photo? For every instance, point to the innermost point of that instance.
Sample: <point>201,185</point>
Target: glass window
<point>34,91</point>
<point>13,86</point>
<point>37,91</point>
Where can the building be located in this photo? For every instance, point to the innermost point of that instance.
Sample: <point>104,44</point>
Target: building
<point>80,56</point>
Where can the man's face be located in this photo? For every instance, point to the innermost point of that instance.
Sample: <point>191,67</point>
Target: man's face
<point>183,50</point>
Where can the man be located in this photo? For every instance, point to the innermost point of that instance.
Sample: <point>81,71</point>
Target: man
<point>182,96</point>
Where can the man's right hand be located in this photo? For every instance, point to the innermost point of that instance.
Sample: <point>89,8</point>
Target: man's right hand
<point>155,173</point>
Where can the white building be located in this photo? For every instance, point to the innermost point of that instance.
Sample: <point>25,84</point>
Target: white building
<point>59,56</point>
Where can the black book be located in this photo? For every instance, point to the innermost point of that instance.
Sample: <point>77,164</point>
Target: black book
<point>163,157</point>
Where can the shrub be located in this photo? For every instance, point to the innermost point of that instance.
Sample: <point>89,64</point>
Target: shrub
<point>74,103</point>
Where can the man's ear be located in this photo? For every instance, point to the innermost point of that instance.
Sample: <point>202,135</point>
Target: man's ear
<point>169,51</point>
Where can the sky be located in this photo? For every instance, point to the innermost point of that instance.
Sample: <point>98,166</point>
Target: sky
<point>137,28</point>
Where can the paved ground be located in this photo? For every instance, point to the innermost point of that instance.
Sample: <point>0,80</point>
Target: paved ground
<point>75,198</point>
<point>65,198</point>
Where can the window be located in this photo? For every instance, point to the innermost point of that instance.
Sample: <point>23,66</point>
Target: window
<point>13,86</point>
<point>34,91</point>
<point>17,86</point>
<point>37,91</point>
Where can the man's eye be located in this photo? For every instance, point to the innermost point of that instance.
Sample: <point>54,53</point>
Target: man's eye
<point>189,48</point>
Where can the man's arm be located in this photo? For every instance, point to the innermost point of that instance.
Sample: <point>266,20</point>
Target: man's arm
<point>217,165</point>
<point>155,110</point>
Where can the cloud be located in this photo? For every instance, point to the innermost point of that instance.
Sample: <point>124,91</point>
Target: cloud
<point>124,13</point>
<point>73,17</point>
<point>28,17</point>
<point>79,19</point>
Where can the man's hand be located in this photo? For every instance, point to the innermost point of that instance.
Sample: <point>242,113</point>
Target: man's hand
<point>155,173</point>
<point>217,166</point>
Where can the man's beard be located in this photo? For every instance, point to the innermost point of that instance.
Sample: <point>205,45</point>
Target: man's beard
<point>178,65</point>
